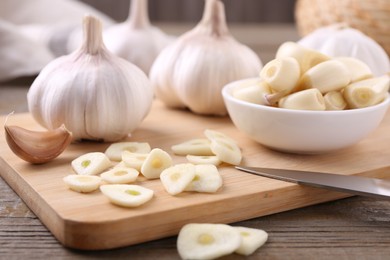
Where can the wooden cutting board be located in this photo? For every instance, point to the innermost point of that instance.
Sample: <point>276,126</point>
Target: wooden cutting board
<point>89,221</point>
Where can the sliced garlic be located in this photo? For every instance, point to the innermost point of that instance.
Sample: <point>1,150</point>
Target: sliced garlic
<point>307,58</point>
<point>309,99</point>
<point>334,100</point>
<point>254,93</point>
<point>281,74</point>
<point>194,147</point>
<point>176,178</point>
<point>82,183</point>
<point>251,239</point>
<point>207,241</point>
<point>134,160</point>
<point>120,175</point>
<point>358,70</point>
<point>207,179</point>
<point>127,195</point>
<point>37,147</point>
<point>226,151</point>
<point>114,151</point>
<point>326,76</point>
<point>203,159</point>
<point>213,134</point>
<point>91,163</point>
<point>367,92</point>
<point>156,161</point>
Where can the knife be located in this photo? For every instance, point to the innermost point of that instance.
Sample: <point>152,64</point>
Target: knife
<point>355,185</point>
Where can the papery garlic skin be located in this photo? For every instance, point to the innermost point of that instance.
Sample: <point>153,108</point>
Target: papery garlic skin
<point>97,95</point>
<point>192,71</point>
<point>341,40</point>
<point>136,40</point>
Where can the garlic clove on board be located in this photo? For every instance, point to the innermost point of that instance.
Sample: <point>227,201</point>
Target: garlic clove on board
<point>192,71</point>
<point>136,39</point>
<point>37,147</point>
<point>97,95</point>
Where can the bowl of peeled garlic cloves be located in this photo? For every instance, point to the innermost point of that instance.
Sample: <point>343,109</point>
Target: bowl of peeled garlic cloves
<point>306,102</point>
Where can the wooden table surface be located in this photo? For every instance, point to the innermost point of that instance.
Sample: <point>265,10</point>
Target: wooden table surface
<point>352,228</point>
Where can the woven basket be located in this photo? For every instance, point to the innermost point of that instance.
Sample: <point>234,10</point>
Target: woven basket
<point>372,17</point>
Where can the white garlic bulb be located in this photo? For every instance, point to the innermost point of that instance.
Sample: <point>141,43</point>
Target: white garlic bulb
<point>341,40</point>
<point>95,94</point>
<point>136,40</point>
<point>192,71</point>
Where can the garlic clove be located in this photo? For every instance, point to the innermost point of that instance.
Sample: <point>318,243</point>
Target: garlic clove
<point>35,146</point>
<point>255,93</point>
<point>357,69</point>
<point>334,100</point>
<point>309,99</point>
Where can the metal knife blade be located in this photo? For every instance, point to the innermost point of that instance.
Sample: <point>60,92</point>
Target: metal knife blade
<point>356,185</point>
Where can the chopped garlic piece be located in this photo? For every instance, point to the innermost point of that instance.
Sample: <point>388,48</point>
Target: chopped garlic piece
<point>120,175</point>
<point>207,179</point>
<point>91,163</point>
<point>194,147</point>
<point>176,178</point>
<point>207,241</point>
<point>213,134</point>
<point>251,239</point>
<point>226,151</point>
<point>127,195</point>
<point>114,151</point>
<point>206,159</point>
<point>82,183</point>
<point>134,160</point>
<point>156,161</point>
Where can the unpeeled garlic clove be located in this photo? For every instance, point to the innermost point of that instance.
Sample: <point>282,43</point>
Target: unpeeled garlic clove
<point>37,147</point>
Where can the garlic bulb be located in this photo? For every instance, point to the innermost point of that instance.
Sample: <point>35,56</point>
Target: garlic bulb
<point>136,40</point>
<point>340,40</point>
<point>192,71</point>
<point>95,94</point>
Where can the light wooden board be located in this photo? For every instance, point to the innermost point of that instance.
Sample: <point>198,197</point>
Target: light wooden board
<point>89,221</point>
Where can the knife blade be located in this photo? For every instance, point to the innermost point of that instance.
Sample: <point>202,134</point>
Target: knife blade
<point>356,185</point>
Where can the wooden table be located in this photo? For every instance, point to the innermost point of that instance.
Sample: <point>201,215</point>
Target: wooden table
<point>352,228</point>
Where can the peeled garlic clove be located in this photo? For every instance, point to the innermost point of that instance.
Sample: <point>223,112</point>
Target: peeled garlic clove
<point>199,146</point>
<point>307,58</point>
<point>176,178</point>
<point>134,160</point>
<point>207,179</point>
<point>254,93</point>
<point>326,76</point>
<point>357,69</point>
<point>127,195</point>
<point>203,159</point>
<point>91,163</point>
<point>281,74</point>
<point>207,241</point>
<point>367,92</point>
<point>192,71</point>
<point>115,150</point>
<point>334,100</point>
<point>37,147</point>
<point>309,99</point>
<point>82,183</point>
<point>156,161</point>
<point>226,151</point>
<point>251,240</point>
<point>120,175</point>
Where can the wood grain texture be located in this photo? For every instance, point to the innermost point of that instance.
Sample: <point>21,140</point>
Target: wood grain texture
<point>88,221</point>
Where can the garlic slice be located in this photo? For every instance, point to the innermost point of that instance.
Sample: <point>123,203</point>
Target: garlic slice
<point>203,159</point>
<point>207,241</point>
<point>156,161</point>
<point>214,134</point>
<point>199,146</point>
<point>37,147</point>
<point>134,160</point>
<point>251,240</point>
<point>176,178</point>
<point>82,183</point>
<point>91,163</point>
<point>115,150</point>
<point>309,99</point>
<point>127,195</point>
<point>207,179</point>
<point>226,151</point>
<point>120,175</point>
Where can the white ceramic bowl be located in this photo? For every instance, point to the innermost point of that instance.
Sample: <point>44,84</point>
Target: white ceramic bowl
<point>300,131</point>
